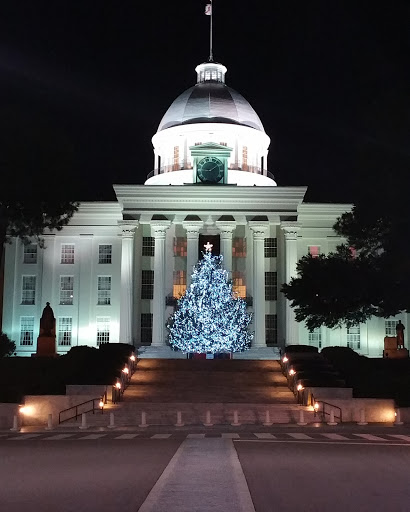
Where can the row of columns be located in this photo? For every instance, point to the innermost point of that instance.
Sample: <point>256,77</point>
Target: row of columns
<point>159,228</point>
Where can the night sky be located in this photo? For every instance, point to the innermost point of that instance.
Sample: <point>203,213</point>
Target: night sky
<point>88,83</point>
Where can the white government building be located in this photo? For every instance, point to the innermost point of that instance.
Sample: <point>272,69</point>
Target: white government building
<point>114,272</point>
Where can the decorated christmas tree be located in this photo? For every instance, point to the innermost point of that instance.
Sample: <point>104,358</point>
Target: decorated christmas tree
<point>210,317</point>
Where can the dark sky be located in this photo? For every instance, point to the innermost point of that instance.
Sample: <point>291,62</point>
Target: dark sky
<point>88,82</point>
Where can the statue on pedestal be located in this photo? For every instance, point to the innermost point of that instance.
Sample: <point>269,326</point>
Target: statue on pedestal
<point>400,334</point>
<point>46,342</point>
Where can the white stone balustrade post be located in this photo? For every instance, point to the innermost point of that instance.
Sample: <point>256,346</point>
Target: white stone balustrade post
<point>290,230</point>
<point>126,299</point>
<point>192,234</point>
<point>159,229</point>
<point>259,233</point>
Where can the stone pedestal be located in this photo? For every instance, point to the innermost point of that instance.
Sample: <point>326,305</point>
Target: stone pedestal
<point>46,346</point>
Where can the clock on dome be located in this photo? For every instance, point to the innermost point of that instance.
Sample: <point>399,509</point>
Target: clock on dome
<point>210,169</point>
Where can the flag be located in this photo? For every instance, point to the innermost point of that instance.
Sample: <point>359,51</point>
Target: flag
<point>208,9</point>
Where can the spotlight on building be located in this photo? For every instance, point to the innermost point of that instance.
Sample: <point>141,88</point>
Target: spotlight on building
<point>118,385</point>
<point>299,387</point>
<point>132,358</point>
<point>26,409</point>
<point>285,360</point>
<point>125,370</point>
<point>292,372</point>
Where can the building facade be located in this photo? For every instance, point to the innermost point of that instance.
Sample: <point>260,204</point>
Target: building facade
<point>115,272</point>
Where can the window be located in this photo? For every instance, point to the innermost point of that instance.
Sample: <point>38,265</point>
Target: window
<point>271,247</point>
<point>180,246</point>
<point>67,253</point>
<point>105,254</point>
<point>179,287</point>
<point>146,327</point>
<point>175,167</point>
<point>314,250</point>
<point>353,337</point>
<point>245,158</point>
<point>271,329</point>
<point>103,329</point>
<point>315,338</point>
<point>271,285</point>
<point>390,327</point>
<point>64,333</point>
<point>26,330</point>
<point>66,290</point>
<point>147,284</point>
<point>239,247</point>
<point>238,284</point>
<point>104,291</point>
<point>30,253</point>
<point>28,292</point>
<point>148,246</point>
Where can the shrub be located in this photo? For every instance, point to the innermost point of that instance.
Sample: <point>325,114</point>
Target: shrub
<point>7,346</point>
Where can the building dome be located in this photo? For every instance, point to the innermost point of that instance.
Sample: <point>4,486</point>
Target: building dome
<point>210,101</point>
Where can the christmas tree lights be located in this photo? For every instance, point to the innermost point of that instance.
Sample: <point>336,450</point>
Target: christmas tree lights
<point>210,318</point>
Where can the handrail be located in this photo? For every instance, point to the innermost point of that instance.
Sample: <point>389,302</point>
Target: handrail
<point>313,401</point>
<point>102,398</point>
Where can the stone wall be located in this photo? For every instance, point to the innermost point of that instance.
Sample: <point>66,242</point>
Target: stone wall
<point>39,407</point>
<point>7,412</point>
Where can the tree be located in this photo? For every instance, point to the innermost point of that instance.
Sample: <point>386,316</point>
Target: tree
<point>7,347</point>
<point>36,188</point>
<point>367,276</point>
<point>209,317</point>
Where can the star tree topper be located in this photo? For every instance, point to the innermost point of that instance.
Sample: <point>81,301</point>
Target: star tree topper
<point>208,247</point>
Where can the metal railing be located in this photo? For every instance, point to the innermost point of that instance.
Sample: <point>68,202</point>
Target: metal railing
<point>322,410</point>
<point>84,407</point>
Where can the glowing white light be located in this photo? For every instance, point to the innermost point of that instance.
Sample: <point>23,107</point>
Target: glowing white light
<point>118,385</point>
<point>299,387</point>
<point>285,360</point>
<point>26,409</point>
<point>292,371</point>
<point>132,358</point>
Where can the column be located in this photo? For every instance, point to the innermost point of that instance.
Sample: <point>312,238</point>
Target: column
<point>226,229</point>
<point>159,229</point>
<point>192,234</point>
<point>126,298</point>
<point>290,230</point>
<point>259,232</point>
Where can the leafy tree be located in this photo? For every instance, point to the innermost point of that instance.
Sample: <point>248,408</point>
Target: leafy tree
<point>36,186</point>
<point>367,276</point>
<point>209,317</point>
<point>7,347</point>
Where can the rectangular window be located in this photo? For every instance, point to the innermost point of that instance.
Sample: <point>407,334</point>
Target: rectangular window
<point>238,284</point>
<point>271,329</point>
<point>175,167</point>
<point>28,292</point>
<point>67,253</point>
<point>147,284</point>
<point>315,338</point>
<point>103,329</point>
<point>105,254</point>
<point>26,330</point>
<point>179,287</point>
<point>239,247</point>
<point>314,250</point>
<point>271,247</point>
<point>65,329</point>
<point>271,285</point>
<point>180,246</point>
<point>148,246</point>
<point>353,337</point>
<point>30,253</point>
<point>146,328</point>
<point>104,291</point>
<point>245,158</point>
<point>390,327</point>
<point>66,290</point>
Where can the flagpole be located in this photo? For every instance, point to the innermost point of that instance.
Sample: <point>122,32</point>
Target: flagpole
<point>211,57</point>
